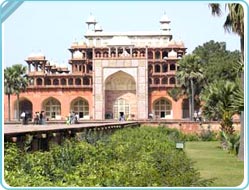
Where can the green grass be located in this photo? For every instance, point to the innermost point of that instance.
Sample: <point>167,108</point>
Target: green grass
<point>213,162</point>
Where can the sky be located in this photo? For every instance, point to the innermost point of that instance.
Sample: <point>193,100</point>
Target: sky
<point>51,27</point>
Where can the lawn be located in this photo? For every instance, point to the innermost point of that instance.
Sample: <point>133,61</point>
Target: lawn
<point>213,162</point>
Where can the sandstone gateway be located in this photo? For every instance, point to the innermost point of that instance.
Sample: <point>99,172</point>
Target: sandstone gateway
<point>110,74</point>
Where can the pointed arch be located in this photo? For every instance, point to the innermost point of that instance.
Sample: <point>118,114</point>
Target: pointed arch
<point>157,55</point>
<point>52,108</point>
<point>47,81</point>
<point>165,80</point>
<point>77,81</point>
<point>70,81</point>
<point>156,81</point>
<point>157,68</point>
<point>86,81</point>
<point>120,81</point>
<point>172,67</point>
<point>165,68</point>
<point>25,105</point>
<point>63,81</point>
<point>39,82</point>
<point>162,108</point>
<point>80,106</point>
<point>56,82</point>
<point>150,55</point>
<point>172,80</point>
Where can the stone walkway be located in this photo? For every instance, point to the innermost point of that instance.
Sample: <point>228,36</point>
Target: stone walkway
<point>11,129</point>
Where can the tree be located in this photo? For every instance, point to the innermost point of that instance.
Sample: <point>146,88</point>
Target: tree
<point>235,23</point>
<point>217,62</point>
<point>219,100</point>
<point>238,102</point>
<point>175,93</point>
<point>8,86</point>
<point>15,81</point>
<point>189,75</point>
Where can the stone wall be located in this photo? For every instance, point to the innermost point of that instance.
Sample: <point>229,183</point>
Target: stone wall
<point>37,97</point>
<point>191,127</point>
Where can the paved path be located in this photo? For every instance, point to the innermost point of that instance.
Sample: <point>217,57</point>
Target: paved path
<point>11,129</point>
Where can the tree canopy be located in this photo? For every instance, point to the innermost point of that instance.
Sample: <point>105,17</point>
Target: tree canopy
<point>217,62</point>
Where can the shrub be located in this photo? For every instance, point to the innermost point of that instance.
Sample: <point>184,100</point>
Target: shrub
<point>230,142</point>
<point>138,157</point>
<point>207,135</point>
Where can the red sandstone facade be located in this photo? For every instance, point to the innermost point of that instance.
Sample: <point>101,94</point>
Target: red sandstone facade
<point>111,74</point>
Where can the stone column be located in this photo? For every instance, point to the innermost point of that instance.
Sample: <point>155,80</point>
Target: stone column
<point>98,93</point>
<point>153,52</point>
<point>36,66</point>
<point>116,52</point>
<point>142,89</point>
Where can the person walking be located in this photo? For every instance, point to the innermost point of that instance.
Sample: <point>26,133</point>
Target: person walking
<point>195,116</point>
<point>23,116</point>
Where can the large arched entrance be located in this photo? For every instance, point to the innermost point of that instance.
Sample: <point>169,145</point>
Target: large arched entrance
<point>24,106</point>
<point>120,96</point>
<point>162,109</point>
<point>80,106</point>
<point>52,108</point>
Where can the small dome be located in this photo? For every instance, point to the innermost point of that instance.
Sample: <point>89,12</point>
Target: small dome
<point>91,20</point>
<point>31,55</point>
<point>36,56</point>
<point>164,19</point>
<point>40,54</point>
<point>77,55</point>
<point>180,43</point>
<point>172,53</point>
<point>172,43</point>
<point>74,44</point>
<point>82,43</point>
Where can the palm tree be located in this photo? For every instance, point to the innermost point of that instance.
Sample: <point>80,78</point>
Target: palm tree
<point>189,75</point>
<point>219,100</point>
<point>15,81</point>
<point>235,23</point>
<point>8,86</point>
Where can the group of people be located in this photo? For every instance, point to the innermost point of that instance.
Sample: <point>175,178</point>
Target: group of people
<point>197,116</point>
<point>73,118</point>
<point>39,118</point>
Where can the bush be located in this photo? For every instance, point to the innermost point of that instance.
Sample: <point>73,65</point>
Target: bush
<point>230,142</point>
<point>137,157</point>
<point>208,135</point>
